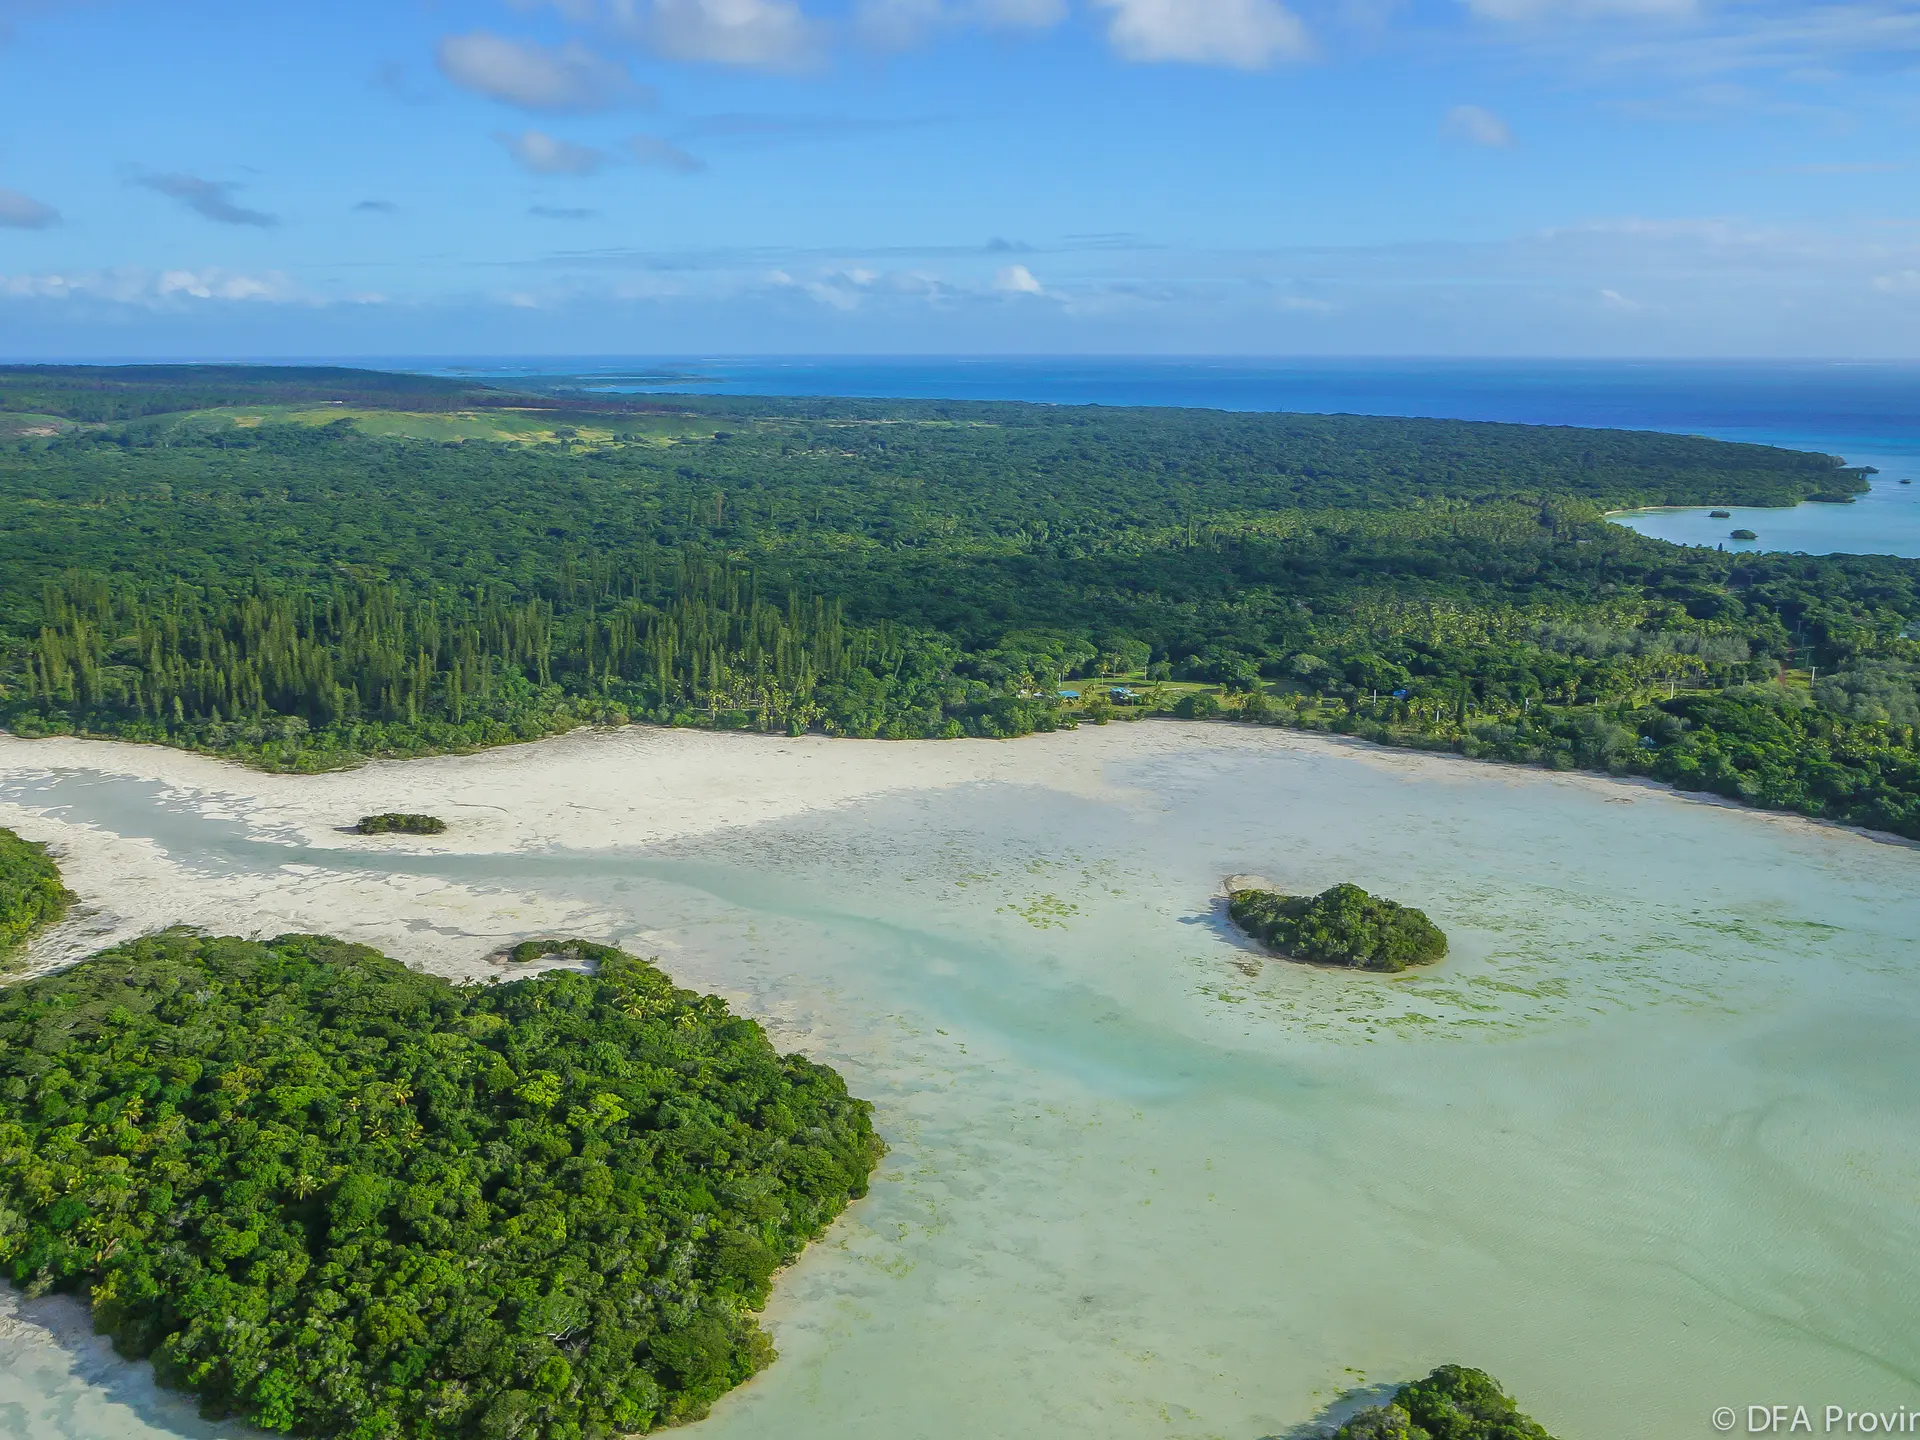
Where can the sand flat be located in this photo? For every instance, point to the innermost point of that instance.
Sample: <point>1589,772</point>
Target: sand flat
<point>1645,1143</point>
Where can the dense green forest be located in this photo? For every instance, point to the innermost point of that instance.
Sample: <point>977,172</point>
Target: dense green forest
<point>339,1198</point>
<point>1453,1403</point>
<point>31,895</point>
<point>126,392</point>
<point>302,595</point>
<point>1342,925</point>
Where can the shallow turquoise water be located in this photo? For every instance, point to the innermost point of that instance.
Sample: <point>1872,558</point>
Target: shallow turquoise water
<point>1883,522</point>
<point>1646,1144</point>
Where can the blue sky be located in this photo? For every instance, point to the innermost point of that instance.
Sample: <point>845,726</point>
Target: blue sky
<point>1435,177</point>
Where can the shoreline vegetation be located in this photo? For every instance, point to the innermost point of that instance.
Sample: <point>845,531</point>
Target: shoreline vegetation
<point>1342,925</point>
<point>1453,1403</point>
<point>394,822</point>
<point>32,897</point>
<point>333,1196</point>
<point>891,570</point>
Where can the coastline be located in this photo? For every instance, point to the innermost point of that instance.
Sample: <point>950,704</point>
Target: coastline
<point>588,790</point>
<point>1096,1083</point>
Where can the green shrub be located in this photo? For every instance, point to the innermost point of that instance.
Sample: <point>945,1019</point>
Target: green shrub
<point>1340,926</point>
<point>1453,1403</point>
<point>31,895</point>
<point>528,951</point>
<point>395,822</point>
<point>335,1197</point>
<point>1196,705</point>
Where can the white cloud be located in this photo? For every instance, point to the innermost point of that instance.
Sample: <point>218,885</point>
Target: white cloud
<point>536,77</point>
<point>543,154</point>
<point>1245,34</point>
<point>23,212</point>
<point>131,285</point>
<point>755,34</point>
<point>1902,282</point>
<point>1614,300</point>
<point>652,150</point>
<point>1018,280</point>
<point>220,285</point>
<point>1480,126</point>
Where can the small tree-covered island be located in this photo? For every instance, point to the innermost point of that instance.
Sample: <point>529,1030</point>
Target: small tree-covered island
<point>1343,925</point>
<point>396,822</point>
<point>1453,1403</point>
<point>336,1197</point>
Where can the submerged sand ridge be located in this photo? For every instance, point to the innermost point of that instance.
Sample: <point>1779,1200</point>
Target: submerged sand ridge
<point>1643,1145</point>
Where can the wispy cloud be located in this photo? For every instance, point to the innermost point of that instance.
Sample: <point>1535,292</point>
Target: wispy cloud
<point>133,285</point>
<point>1841,167</point>
<point>752,34</point>
<point>1705,40</point>
<point>1477,125</point>
<point>23,212</point>
<point>901,24</point>
<point>1017,280</point>
<point>542,154</point>
<point>395,81</point>
<point>748,129</point>
<point>566,79</point>
<point>652,150</point>
<point>210,199</point>
<point>1547,10</point>
<point>1243,34</point>
<point>376,207</point>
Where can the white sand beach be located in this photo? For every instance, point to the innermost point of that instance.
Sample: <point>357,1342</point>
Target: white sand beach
<point>589,790</point>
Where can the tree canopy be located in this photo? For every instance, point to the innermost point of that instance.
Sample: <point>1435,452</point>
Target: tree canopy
<point>336,1197</point>
<point>1453,1403</point>
<point>31,895</point>
<point>1342,925</point>
<point>302,595</point>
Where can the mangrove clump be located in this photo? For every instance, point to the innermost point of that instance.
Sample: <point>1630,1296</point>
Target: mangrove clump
<point>1341,926</point>
<point>1742,535</point>
<point>395,822</point>
<point>332,1196</point>
<point>1453,1403</point>
<point>31,895</point>
<point>527,951</point>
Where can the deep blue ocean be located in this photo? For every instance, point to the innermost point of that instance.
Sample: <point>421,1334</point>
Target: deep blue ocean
<point>1868,412</point>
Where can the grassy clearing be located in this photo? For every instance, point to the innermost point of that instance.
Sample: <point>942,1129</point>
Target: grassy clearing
<point>530,426</point>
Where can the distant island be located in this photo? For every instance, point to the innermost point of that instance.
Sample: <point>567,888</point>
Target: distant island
<point>31,895</point>
<point>332,1197</point>
<point>1742,535</point>
<point>395,822</point>
<point>1343,925</point>
<point>1453,1403</point>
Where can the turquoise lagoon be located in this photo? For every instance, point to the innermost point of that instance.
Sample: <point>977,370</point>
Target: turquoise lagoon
<point>1885,521</point>
<point>1646,1144</point>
